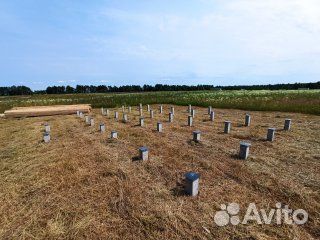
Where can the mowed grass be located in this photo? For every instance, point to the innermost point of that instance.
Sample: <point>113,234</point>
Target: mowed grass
<point>303,101</point>
<point>82,185</point>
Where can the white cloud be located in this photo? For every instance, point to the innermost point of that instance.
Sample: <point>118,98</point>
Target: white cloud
<point>242,36</point>
<point>66,81</point>
<point>279,29</point>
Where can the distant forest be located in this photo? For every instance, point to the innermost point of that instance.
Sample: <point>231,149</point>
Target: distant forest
<point>23,90</point>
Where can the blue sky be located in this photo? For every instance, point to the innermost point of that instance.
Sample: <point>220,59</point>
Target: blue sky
<point>219,42</point>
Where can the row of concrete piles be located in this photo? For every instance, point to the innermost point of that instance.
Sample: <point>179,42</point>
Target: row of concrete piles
<point>191,178</point>
<point>196,134</point>
<point>227,124</point>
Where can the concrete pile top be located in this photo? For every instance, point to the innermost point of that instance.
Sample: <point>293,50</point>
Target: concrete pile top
<point>192,176</point>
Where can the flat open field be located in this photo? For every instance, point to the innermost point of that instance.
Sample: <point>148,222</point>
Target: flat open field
<point>84,185</point>
<point>302,101</point>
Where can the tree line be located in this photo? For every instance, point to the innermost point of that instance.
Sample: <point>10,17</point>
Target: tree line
<point>15,90</point>
<point>23,90</point>
<point>126,88</point>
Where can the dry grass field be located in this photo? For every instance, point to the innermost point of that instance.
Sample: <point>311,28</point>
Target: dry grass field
<point>83,185</point>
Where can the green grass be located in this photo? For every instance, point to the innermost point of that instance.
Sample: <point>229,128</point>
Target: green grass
<point>303,101</point>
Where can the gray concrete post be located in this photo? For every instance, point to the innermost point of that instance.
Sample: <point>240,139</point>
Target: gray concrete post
<point>227,126</point>
<point>46,137</point>
<point>196,136</point>
<point>212,116</point>
<point>247,121</point>
<point>172,110</point>
<point>114,134</point>
<point>144,153</point>
<point>47,127</point>
<point>159,127</point>
<point>192,183</point>
<point>271,134</point>
<point>193,112</point>
<point>190,120</point>
<point>170,117</point>
<point>244,150</point>
<point>287,124</point>
<point>125,118</point>
<point>102,127</point>
<point>141,121</point>
<point>91,122</point>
